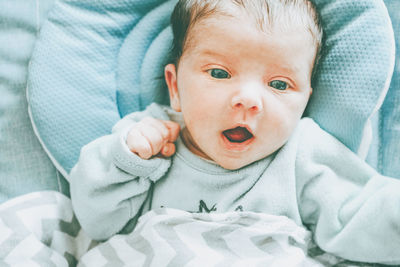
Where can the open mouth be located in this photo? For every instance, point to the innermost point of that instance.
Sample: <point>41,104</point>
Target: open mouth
<point>237,135</point>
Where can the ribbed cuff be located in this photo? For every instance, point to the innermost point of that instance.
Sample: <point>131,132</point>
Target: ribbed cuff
<point>153,168</point>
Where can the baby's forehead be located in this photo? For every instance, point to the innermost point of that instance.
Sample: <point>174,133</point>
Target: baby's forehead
<point>227,40</point>
<point>203,29</point>
<point>284,22</point>
<point>266,16</point>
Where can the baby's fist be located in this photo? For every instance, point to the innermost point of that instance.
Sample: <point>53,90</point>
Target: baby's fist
<point>150,137</point>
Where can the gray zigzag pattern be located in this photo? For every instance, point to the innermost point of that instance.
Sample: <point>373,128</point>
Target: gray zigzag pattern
<point>209,229</point>
<point>142,245</point>
<point>215,238</point>
<point>109,252</point>
<point>43,258</point>
<point>183,254</point>
<point>20,233</point>
<point>135,241</point>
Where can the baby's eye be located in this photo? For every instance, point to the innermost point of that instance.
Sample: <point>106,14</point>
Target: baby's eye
<point>219,74</point>
<point>279,85</point>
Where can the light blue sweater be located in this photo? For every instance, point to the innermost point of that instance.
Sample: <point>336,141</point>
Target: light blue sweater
<point>313,179</point>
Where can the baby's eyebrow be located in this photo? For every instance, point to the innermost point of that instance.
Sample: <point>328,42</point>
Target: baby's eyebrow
<point>211,53</point>
<point>289,69</point>
<point>222,57</point>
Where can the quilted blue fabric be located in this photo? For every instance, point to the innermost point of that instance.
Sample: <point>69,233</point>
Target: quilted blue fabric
<point>96,61</point>
<point>388,147</point>
<point>24,166</point>
<point>355,71</point>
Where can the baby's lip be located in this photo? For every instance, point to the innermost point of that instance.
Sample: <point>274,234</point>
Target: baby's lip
<point>238,134</point>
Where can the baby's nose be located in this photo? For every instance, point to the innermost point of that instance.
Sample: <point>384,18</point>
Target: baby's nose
<point>248,100</point>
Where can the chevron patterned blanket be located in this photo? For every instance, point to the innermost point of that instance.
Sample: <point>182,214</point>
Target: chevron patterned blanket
<point>40,229</point>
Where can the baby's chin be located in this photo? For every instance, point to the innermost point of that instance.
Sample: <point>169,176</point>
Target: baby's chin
<point>234,164</point>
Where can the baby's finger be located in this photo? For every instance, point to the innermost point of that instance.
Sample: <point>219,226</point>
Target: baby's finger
<point>174,130</point>
<point>153,137</point>
<point>163,130</point>
<point>168,150</point>
<point>138,144</point>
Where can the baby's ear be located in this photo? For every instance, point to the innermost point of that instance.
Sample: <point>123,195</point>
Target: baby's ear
<point>171,80</point>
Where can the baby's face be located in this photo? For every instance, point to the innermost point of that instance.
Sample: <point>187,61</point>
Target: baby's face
<point>241,91</point>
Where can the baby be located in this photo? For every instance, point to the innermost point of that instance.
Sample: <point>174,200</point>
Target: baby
<point>235,138</point>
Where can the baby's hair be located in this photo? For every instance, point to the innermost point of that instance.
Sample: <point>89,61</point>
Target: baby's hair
<point>268,15</point>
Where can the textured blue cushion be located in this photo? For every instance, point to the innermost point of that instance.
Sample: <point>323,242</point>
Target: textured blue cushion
<point>24,166</point>
<point>388,146</point>
<point>355,72</point>
<point>97,61</point>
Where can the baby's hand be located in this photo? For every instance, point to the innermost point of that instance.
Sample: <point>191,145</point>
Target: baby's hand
<point>151,136</point>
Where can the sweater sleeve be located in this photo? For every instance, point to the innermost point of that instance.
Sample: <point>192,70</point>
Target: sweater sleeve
<point>110,184</point>
<point>353,211</point>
